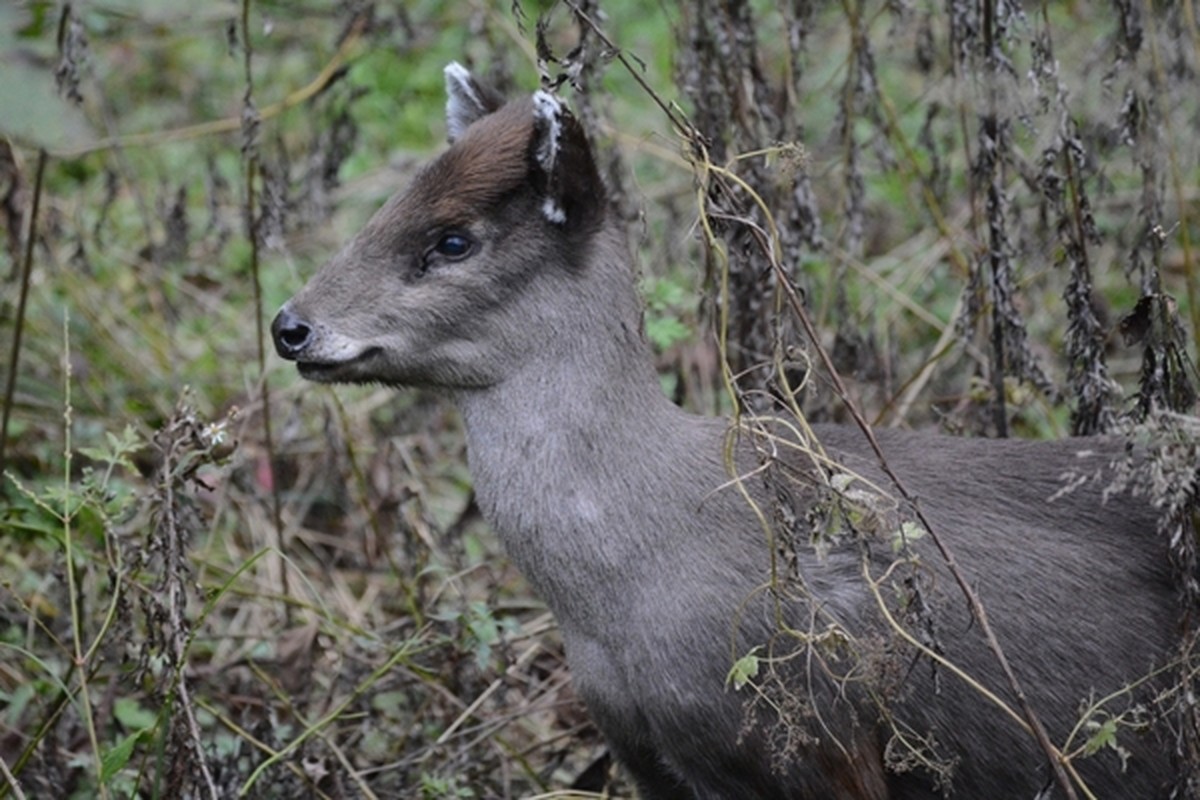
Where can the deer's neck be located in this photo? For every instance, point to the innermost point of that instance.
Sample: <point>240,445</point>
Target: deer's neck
<point>580,463</point>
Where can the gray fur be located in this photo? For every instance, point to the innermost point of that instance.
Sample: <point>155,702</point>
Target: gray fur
<point>610,501</point>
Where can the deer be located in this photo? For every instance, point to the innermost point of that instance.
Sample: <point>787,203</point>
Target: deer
<point>501,278</point>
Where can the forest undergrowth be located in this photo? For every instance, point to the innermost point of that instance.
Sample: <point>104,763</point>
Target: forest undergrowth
<point>217,580</point>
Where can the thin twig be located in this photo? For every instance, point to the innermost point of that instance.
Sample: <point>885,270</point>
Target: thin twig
<point>333,70</point>
<point>1178,172</point>
<point>74,590</point>
<point>250,152</point>
<point>173,569</point>
<point>976,606</point>
<point>771,249</point>
<point>11,780</point>
<point>19,321</point>
<point>676,119</point>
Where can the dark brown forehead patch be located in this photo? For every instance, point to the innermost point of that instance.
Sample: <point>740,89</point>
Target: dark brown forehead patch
<point>487,162</point>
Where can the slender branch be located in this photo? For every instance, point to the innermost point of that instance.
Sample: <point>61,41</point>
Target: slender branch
<point>1178,171</point>
<point>976,606</point>
<point>331,72</point>
<point>19,322</point>
<point>677,119</point>
<point>176,600</point>
<point>250,119</point>
<point>771,249</point>
<point>11,780</point>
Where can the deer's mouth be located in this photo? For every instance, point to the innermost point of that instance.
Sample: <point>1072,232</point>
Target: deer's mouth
<point>350,370</point>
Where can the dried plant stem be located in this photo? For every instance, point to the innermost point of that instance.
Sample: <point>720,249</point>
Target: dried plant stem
<point>1053,756</point>
<point>178,625</point>
<point>401,654</point>
<point>671,112</point>
<point>220,715</point>
<point>990,133</point>
<point>949,665</point>
<point>19,321</point>
<point>11,780</point>
<point>250,153</point>
<point>995,226</point>
<point>769,243</point>
<point>1190,267</point>
<point>79,660</point>
<point>328,74</point>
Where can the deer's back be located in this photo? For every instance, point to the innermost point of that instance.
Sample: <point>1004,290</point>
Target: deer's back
<point>1076,586</point>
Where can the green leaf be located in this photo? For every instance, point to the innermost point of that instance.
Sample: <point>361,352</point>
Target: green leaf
<point>666,331</point>
<point>133,715</point>
<point>391,704</point>
<point>116,758</point>
<point>34,115</point>
<point>118,450</point>
<point>909,532</point>
<point>483,632</point>
<point>1105,736</point>
<point>744,670</point>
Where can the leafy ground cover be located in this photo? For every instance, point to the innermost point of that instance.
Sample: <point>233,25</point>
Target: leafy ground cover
<point>219,581</point>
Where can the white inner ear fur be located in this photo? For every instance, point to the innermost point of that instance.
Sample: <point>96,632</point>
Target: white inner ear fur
<point>548,113</point>
<point>463,103</point>
<point>553,211</point>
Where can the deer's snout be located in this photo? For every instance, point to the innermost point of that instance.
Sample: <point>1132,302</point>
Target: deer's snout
<point>292,334</point>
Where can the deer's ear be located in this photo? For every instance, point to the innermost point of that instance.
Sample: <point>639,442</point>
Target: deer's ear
<point>466,100</point>
<point>572,192</point>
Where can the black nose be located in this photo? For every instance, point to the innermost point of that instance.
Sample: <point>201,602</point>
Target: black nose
<point>292,334</point>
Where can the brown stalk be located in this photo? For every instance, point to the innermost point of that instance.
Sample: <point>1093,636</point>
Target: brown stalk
<point>19,321</point>
<point>250,153</point>
<point>1053,756</point>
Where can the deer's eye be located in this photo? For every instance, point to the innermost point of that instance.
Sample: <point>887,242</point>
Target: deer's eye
<point>453,246</point>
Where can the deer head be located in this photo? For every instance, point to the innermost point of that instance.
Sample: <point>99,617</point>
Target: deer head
<point>457,280</point>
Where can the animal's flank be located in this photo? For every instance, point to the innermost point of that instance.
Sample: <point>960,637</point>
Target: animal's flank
<point>498,278</point>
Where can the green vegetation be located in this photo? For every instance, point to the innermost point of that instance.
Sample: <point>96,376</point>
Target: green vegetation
<point>190,605</point>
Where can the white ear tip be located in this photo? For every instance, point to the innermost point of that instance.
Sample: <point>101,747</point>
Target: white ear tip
<point>456,72</point>
<point>459,81</point>
<point>464,104</point>
<point>548,117</point>
<point>546,105</point>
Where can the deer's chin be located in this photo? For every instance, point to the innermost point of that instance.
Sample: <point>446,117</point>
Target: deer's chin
<point>352,370</point>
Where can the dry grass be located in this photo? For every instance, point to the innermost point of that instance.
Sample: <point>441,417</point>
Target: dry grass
<point>202,599</point>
